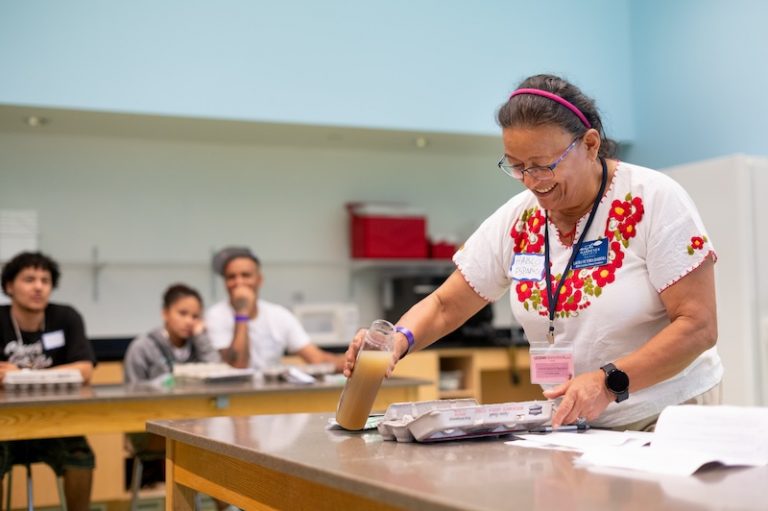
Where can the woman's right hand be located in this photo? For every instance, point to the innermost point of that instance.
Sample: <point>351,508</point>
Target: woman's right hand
<point>350,357</point>
<point>351,354</point>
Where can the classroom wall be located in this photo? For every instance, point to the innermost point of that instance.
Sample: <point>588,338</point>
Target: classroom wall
<point>432,65</point>
<point>156,209</point>
<point>129,214</point>
<point>699,80</point>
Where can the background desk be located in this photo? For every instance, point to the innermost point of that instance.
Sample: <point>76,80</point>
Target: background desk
<point>117,409</point>
<point>293,462</point>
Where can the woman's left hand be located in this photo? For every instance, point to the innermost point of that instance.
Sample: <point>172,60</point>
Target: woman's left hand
<point>583,397</point>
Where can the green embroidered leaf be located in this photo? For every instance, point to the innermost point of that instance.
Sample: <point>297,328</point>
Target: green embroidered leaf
<point>625,243</point>
<point>690,250</point>
<point>525,305</point>
<point>705,239</point>
<point>628,197</point>
<point>598,292</point>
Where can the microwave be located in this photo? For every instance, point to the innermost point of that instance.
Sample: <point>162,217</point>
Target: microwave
<point>329,324</point>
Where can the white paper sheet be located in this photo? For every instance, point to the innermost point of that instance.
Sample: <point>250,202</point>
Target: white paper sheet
<point>688,437</point>
<point>571,440</point>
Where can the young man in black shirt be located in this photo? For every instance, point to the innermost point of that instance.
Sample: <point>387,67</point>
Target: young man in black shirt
<point>37,334</point>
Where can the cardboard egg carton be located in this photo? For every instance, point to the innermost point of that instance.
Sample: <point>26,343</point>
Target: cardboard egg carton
<point>210,372</point>
<point>42,379</point>
<point>455,421</point>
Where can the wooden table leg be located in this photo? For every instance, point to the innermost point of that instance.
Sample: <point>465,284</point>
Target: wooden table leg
<point>177,497</point>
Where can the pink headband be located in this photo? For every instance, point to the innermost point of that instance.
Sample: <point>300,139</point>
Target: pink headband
<point>554,97</point>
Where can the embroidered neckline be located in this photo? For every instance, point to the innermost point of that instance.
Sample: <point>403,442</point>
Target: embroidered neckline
<point>580,221</point>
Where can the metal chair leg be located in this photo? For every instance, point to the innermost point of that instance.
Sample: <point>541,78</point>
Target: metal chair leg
<point>30,503</point>
<point>138,470</point>
<point>8,492</point>
<point>30,490</point>
<point>62,495</point>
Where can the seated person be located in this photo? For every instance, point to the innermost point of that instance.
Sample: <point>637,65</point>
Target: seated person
<point>152,355</point>
<point>179,340</point>
<point>249,331</point>
<point>37,334</point>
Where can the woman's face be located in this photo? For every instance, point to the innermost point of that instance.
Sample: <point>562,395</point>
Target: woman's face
<point>182,317</point>
<point>542,146</point>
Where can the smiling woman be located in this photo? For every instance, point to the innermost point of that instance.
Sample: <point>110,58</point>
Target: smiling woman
<point>619,310</point>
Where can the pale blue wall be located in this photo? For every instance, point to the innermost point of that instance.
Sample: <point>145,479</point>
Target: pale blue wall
<point>434,65</point>
<point>700,79</point>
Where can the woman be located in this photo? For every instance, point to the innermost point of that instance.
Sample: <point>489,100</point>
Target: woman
<point>154,354</point>
<point>632,326</point>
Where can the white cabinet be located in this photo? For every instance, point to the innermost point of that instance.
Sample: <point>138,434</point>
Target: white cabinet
<point>729,193</point>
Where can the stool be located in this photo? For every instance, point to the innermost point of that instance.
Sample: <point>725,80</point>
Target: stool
<point>30,502</point>
<point>138,469</point>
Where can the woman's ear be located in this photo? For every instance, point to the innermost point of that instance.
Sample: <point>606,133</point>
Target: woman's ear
<point>592,143</point>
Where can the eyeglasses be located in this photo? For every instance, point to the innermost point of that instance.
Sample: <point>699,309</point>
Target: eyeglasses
<point>540,172</point>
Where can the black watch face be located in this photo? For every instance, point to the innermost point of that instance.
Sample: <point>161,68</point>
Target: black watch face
<point>617,381</point>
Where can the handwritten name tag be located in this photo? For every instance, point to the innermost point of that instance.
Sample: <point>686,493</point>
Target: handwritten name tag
<point>527,267</point>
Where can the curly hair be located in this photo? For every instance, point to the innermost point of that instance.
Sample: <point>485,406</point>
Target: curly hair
<point>25,260</point>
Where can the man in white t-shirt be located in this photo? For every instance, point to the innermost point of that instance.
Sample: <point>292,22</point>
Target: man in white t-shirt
<point>249,331</point>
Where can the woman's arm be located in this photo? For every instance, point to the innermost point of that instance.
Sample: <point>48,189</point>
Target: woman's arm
<point>691,307</point>
<point>440,313</point>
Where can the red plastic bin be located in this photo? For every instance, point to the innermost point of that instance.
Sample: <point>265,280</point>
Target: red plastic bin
<point>377,233</point>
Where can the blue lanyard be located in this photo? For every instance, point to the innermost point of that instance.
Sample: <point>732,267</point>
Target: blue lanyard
<point>553,297</point>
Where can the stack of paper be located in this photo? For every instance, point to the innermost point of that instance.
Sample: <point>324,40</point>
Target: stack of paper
<point>689,437</point>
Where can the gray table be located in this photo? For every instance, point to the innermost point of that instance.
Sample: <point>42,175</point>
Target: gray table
<point>292,461</point>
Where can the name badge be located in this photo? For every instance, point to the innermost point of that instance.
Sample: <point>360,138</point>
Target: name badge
<point>53,340</point>
<point>551,363</point>
<point>591,253</point>
<point>527,267</point>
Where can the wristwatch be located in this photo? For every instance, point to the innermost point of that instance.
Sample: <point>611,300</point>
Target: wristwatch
<point>616,381</point>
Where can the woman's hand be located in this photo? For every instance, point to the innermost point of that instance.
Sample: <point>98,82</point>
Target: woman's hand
<point>350,357</point>
<point>583,397</point>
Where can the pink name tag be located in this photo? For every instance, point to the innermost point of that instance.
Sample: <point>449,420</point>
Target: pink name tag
<point>551,367</point>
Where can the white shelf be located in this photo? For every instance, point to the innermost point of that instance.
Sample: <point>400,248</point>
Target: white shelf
<point>401,264</point>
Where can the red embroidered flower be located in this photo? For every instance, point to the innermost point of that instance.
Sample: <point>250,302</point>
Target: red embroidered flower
<point>535,221</point>
<point>524,291</point>
<point>637,204</point>
<point>619,210</point>
<point>576,280</point>
<point>571,303</point>
<point>520,240</point>
<point>604,275</point>
<point>697,243</point>
<point>535,242</point>
<point>627,230</point>
<point>526,232</point>
<point>615,255</point>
